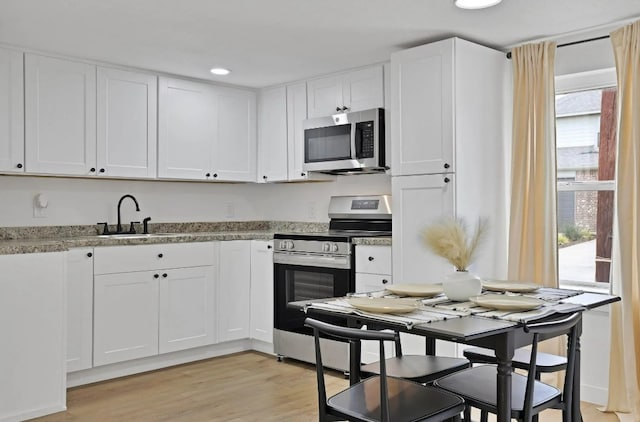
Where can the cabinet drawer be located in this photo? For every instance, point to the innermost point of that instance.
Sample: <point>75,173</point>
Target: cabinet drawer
<point>120,259</point>
<point>372,282</point>
<point>373,259</point>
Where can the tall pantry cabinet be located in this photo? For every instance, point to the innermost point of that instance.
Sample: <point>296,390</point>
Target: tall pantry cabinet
<point>448,150</point>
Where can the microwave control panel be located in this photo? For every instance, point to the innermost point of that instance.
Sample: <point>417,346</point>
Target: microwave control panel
<point>364,140</point>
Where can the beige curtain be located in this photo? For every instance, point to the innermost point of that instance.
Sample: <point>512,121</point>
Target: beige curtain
<point>533,250</point>
<point>625,260</point>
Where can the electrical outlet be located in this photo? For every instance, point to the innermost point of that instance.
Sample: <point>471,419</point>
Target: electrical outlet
<point>229,210</point>
<point>40,204</point>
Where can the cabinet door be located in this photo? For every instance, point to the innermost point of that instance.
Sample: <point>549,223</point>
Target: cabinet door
<point>126,141</point>
<point>187,129</point>
<point>11,111</point>
<point>262,290</point>
<point>296,113</point>
<point>125,316</point>
<point>32,323</point>
<point>60,116</point>
<point>324,96</point>
<point>234,157</point>
<point>363,89</point>
<point>272,135</point>
<point>187,308</point>
<point>366,282</point>
<point>373,259</point>
<point>417,202</point>
<point>79,309</point>
<point>234,283</point>
<point>422,109</point>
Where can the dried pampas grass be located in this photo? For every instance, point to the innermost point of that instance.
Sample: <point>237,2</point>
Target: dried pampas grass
<point>448,238</point>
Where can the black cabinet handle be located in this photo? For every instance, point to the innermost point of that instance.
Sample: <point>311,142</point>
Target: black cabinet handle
<point>446,165</point>
<point>303,174</point>
<point>269,247</point>
<point>208,175</point>
<point>156,276</point>
<point>264,177</point>
<point>345,108</point>
<point>337,108</point>
<point>385,281</point>
<point>19,165</point>
<point>447,180</point>
<point>92,170</point>
<point>89,254</point>
<point>370,258</point>
<point>164,275</point>
<point>160,255</point>
<point>101,170</point>
<point>215,174</point>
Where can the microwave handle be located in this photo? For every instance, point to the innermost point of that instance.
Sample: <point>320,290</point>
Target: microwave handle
<point>354,153</point>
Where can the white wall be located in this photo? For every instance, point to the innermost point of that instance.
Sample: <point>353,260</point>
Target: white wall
<point>86,201</point>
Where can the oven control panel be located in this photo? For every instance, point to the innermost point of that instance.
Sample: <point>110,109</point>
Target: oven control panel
<point>313,246</point>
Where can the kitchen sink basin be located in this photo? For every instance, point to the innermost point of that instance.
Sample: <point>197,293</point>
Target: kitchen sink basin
<point>136,235</point>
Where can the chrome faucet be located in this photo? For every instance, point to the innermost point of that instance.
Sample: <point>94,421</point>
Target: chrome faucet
<point>119,226</point>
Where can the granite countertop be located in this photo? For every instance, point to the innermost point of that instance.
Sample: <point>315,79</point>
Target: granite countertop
<point>21,240</point>
<point>373,241</point>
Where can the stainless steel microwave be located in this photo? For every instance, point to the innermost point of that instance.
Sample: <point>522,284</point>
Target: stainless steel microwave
<point>345,142</point>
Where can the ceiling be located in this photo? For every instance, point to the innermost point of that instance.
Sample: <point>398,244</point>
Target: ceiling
<point>267,42</point>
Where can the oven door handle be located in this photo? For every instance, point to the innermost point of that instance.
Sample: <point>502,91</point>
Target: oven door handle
<point>341,262</point>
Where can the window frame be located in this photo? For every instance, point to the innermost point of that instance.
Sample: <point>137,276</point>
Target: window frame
<point>566,84</point>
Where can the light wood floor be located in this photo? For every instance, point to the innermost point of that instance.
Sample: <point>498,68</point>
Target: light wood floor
<point>246,387</point>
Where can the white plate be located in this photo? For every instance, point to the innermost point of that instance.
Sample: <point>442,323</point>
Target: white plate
<point>418,290</point>
<point>508,286</point>
<point>507,302</point>
<point>384,305</point>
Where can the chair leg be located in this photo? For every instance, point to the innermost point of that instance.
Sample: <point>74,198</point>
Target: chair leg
<point>484,416</point>
<point>467,414</point>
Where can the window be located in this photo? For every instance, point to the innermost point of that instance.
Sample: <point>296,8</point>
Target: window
<point>586,150</point>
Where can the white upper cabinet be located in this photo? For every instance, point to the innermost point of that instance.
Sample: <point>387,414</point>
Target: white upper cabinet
<point>187,129</point>
<point>346,92</point>
<point>235,152</point>
<point>272,135</point>
<point>422,109</point>
<point>11,111</point>
<point>60,114</point>
<point>206,132</point>
<point>296,114</point>
<point>446,100</point>
<point>127,121</point>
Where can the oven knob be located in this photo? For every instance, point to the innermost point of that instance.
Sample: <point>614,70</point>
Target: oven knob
<point>282,245</point>
<point>334,248</point>
<point>290,245</point>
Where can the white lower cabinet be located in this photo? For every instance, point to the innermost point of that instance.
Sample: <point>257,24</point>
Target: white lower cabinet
<point>125,316</point>
<point>262,290</point>
<point>187,308</point>
<point>145,303</point>
<point>32,323</point>
<point>79,309</point>
<point>234,285</point>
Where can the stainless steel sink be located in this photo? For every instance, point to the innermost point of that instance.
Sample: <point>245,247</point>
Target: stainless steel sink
<point>137,235</point>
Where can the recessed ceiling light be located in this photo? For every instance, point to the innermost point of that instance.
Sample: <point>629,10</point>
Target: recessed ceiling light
<point>476,4</point>
<point>220,71</point>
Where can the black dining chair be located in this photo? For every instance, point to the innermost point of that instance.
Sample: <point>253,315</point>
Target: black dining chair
<point>419,368</point>
<point>379,398</point>
<point>529,396</point>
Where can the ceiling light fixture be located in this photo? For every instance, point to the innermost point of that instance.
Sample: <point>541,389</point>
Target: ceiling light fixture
<point>476,4</point>
<point>220,71</point>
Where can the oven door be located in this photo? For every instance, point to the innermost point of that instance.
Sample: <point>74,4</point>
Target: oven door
<point>300,282</point>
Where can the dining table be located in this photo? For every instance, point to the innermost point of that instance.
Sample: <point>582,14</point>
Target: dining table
<point>437,318</point>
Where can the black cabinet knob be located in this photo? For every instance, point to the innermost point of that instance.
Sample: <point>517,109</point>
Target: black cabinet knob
<point>156,276</point>
<point>385,281</point>
<point>447,180</point>
<point>215,174</point>
<point>269,247</point>
<point>345,108</point>
<point>89,254</point>
<point>101,170</point>
<point>370,258</point>
<point>92,170</point>
<point>446,165</point>
<point>160,255</point>
<point>303,174</point>
<point>337,108</point>
<point>208,175</point>
<point>164,275</point>
<point>264,177</point>
<point>19,165</point>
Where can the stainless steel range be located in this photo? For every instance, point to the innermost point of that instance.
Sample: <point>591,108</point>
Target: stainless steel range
<point>311,266</point>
